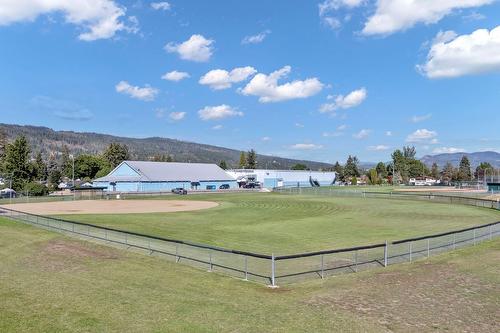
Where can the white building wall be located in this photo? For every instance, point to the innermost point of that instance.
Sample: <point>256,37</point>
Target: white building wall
<point>285,178</point>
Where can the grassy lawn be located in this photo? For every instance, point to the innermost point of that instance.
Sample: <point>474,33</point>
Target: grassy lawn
<point>52,283</point>
<point>283,224</point>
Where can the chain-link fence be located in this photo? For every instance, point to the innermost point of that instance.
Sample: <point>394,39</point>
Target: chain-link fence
<point>264,268</point>
<point>425,196</point>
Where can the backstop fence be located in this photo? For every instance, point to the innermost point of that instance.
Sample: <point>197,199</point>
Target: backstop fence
<point>264,268</point>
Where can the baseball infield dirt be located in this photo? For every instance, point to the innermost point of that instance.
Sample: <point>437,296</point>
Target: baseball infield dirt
<point>111,206</point>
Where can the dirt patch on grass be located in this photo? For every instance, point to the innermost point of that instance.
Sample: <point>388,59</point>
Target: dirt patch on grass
<point>66,255</point>
<point>434,297</point>
<point>111,206</point>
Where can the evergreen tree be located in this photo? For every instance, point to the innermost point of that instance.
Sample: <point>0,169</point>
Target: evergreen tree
<point>448,172</point>
<point>251,159</point>
<point>66,163</point>
<point>464,170</point>
<point>339,170</point>
<point>53,170</point>
<point>351,167</point>
<point>3,147</point>
<point>116,153</point>
<point>16,162</point>
<point>482,170</point>
<point>381,170</point>
<point>373,177</point>
<point>40,168</point>
<point>223,165</point>
<point>243,160</point>
<point>435,171</point>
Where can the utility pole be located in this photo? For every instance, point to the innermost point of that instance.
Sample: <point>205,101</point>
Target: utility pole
<point>73,181</point>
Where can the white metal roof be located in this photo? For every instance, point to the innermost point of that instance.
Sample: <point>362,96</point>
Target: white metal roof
<point>169,172</point>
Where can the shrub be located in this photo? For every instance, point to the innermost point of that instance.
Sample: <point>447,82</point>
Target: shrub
<point>36,189</point>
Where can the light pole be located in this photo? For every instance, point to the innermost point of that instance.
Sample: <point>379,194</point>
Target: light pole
<point>73,181</point>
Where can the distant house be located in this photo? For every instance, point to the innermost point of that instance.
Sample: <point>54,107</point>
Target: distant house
<point>146,176</point>
<point>423,181</point>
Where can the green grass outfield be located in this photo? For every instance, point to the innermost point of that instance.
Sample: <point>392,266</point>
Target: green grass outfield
<point>284,224</point>
<point>53,283</point>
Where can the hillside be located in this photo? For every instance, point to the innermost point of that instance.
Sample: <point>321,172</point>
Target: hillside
<point>47,140</point>
<point>475,158</point>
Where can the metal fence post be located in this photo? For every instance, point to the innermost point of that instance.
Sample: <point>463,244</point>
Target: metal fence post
<point>210,260</point>
<point>355,261</point>
<point>177,252</point>
<point>322,266</point>
<point>273,271</point>
<point>410,248</point>
<point>385,254</point>
<point>246,268</point>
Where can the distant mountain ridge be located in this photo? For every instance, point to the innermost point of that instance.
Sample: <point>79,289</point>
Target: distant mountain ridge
<point>47,140</point>
<point>454,158</point>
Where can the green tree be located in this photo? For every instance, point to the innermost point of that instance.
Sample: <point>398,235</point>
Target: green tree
<point>339,170</point>
<point>435,171</point>
<point>381,170</point>
<point>373,177</point>
<point>54,171</point>
<point>223,165</point>
<point>448,172</point>
<point>16,162</point>
<point>482,170</point>
<point>87,166</point>
<point>251,159</point>
<point>464,170</point>
<point>39,168</point>
<point>354,180</point>
<point>3,148</point>
<point>351,167</point>
<point>299,166</point>
<point>66,163</point>
<point>243,160</point>
<point>116,153</point>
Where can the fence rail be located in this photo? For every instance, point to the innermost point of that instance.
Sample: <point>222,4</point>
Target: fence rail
<point>265,268</point>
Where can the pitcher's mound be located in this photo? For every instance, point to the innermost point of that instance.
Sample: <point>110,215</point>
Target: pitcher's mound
<point>111,206</point>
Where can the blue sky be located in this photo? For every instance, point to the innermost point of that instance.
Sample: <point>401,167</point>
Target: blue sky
<point>302,79</point>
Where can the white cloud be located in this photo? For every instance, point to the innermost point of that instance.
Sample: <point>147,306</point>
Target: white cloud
<point>448,150</point>
<point>219,79</point>
<point>266,87</point>
<point>146,93</point>
<point>175,76</point>
<point>328,8</point>
<point>299,125</point>
<point>256,39</point>
<point>476,53</point>
<point>306,146</point>
<point>388,133</point>
<point>160,5</point>
<point>378,148</point>
<point>422,135</point>
<point>362,134</point>
<point>196,48</point>
<point>266,139</point>
<point>217,127</point>
<point>341,127</point>
<point>99,19</point>
<point>218,112</point>
<point>337,133</point>
<point>418,119</point>
<point>176,116</point>
<point>353,99</point>
<point>398,15</point>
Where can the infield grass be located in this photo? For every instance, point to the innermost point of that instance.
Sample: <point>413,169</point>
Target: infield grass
<point>284,224</point>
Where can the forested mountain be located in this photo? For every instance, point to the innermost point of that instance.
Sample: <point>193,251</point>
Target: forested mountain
<point>475,158</point>
<point>46,140</point>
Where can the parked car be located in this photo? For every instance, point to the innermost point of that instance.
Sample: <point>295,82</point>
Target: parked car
<point>180,191</point>
<point>224,187</point>
<point>211,187</point>
<point>7,193</point>
<point>252,185</point>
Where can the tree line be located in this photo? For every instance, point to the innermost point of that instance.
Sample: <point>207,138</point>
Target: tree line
<point>24,171</point>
